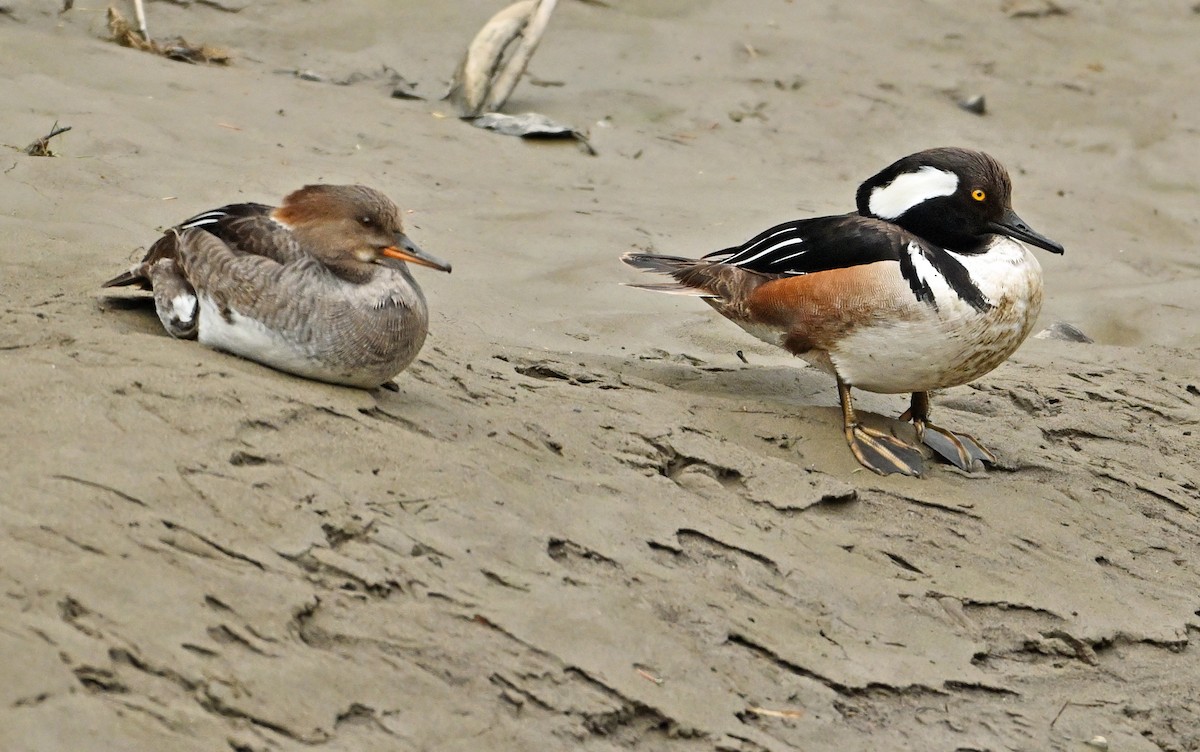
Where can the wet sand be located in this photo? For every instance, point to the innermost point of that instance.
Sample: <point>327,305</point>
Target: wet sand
<point>583,522</point>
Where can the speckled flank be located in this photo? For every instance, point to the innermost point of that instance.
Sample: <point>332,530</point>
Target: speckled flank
<point>815,311</point>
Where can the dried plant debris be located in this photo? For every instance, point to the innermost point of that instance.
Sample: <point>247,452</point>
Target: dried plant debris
<point>405,89</point>
<point>493,64</point>
<point>757,111</point>
<point>1033,8</point>
<point>498,56</point>
<point>41,147</point>
<point>177,48</point>
<point>401,87</point>
<point>530,125</point>
<point>223,7</point>
<point>1065,332</point>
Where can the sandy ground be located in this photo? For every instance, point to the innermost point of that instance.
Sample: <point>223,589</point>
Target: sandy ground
<point>582,522</point>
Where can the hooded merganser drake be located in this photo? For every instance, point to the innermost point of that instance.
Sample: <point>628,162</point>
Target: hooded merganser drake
<point>925,287</point>
<point>317,286</point>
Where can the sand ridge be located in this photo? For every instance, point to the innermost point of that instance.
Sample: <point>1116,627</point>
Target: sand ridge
<point>583,521</point>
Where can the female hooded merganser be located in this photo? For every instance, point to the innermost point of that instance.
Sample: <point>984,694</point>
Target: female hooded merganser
<point>317,287</point>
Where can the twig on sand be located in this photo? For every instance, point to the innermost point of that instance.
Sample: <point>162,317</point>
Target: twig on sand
<point>1073,704</point>
<point>648,676</point>
<point>775,713</point>
<point>41,147</point>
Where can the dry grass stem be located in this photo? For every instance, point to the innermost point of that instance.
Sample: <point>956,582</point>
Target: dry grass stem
<point>177,48</point>
<point>41,147</point>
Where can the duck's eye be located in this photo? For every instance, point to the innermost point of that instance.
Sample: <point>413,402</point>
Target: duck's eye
<point>978,194</point>
<point>366,221</point>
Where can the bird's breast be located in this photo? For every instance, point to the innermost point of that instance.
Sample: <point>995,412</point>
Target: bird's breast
<point>949,341</point>
<point>868,324</point>
<point>356,334</point>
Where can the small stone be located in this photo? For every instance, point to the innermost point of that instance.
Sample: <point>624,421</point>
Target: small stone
<point>1098,742</point>
<point>1063,331</point>
<point>514,697</point>
<point>974,104</point>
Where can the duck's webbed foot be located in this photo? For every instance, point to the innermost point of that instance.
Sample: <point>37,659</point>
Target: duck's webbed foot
<point>875,450</point>
<point>959,449</point>
<point>882,453</point>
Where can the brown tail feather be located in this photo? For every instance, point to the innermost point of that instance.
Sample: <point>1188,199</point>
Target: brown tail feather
<point>130,277</point>
<point>164,247</point>
<point>672,288</point>
<point>707,279</point>
<point>654,263</point>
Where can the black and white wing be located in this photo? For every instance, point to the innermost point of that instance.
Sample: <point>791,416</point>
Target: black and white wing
<point>248,229</point>
<point>811,246</point>
<point>245,228</point>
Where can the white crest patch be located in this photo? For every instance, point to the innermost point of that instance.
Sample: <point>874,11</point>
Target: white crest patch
<point>909,189</point>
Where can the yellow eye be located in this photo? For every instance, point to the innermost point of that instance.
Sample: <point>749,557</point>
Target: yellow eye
<point>978,195</point>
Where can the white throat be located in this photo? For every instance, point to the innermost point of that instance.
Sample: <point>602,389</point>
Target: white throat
<point>909,189</point>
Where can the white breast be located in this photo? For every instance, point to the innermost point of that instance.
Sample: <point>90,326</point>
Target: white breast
<point>247,337</point>
<point>954,343</point>
<point>357,335</point>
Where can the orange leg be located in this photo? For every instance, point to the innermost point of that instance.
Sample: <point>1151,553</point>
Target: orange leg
<point>875,450</point>
<point>959,449</point>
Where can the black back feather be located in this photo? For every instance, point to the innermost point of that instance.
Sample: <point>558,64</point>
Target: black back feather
<point>809,246</point>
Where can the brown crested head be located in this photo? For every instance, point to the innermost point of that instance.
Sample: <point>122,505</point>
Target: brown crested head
<point>341,220</point>
<point>350,227</point>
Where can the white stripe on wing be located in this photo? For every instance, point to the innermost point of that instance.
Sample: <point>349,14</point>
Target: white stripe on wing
<point>207,218</point>
<point>766,251</point>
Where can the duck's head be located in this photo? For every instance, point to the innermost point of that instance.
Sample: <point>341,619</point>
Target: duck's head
<point>954,198</point>
<point>350,227</point>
